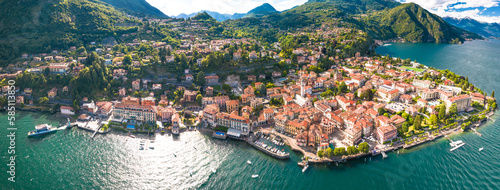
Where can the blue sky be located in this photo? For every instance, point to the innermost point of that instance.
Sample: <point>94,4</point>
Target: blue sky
<point>482,10</point>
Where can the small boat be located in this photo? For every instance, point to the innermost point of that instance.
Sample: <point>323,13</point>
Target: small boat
<point>248,162</point>
<point>214,171</point>
<point>132,136</point>
<point>151,147</point>
<point>305,168</point>
<point>190,172</point>
<point>141,148</point>
<point>255,176</point>
<point>481,149</point>
<point>195,148</point>
<point>174,154</point>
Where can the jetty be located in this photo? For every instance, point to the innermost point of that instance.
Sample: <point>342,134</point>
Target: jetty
<point>93,126</point>
<point>97,130</point>
<point>475,131</point>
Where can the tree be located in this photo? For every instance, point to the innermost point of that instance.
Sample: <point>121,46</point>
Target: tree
<point>405,127</point>
<point>127,60</point>
<point>442,112</point>
<point>198,98</point>
<point>76,104</point>
<point>46,71</point>
<point>321,153</point>
<point>329,152</point>
<point>417,123</point>
<point>200,78</point>
<point>363,147</point>
<point>381,111</point>
<point>434,119</point>
<point>352,150</point>
<point>105,127</point>
<point>453,109</point>
<point>226,87</point>
<point>43,100</point>
<point>340,151</point>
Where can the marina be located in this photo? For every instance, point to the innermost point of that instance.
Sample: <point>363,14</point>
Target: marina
<point>275,152</point>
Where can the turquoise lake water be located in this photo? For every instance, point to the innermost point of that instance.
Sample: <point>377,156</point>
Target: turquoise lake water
<point>68,159</point>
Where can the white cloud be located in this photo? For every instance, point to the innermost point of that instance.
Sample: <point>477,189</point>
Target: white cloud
<point>455,8</point>
<point>175,7</point>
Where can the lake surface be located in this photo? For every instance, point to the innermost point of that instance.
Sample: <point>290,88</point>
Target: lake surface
<point>68,159</point>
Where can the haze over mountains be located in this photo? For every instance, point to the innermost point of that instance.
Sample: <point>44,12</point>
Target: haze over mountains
<point>481,28</point>
<point>262,10</point>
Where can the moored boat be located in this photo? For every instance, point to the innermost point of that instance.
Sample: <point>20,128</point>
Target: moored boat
<point>42,129</point>
<point>305,168</point>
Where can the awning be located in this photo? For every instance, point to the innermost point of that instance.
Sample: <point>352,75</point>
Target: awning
<point>234,132</point>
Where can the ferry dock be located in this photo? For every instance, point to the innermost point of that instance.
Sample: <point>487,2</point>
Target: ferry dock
<point>93,126</point>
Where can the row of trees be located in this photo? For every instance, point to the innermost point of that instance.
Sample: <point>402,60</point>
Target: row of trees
<point>341,151</point>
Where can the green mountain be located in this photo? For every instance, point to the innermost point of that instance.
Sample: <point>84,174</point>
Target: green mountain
<point>414,24</point>
<point>408,21</point>
<point>263,10</point>
<point>40,26</point>
<point>483,29</point>
<point>217,16</point>
<point>136,7</point>
<point>359,6</point>
<point>202,16</point>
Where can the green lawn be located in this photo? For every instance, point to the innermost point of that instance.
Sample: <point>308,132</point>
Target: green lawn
<point>413,69</point>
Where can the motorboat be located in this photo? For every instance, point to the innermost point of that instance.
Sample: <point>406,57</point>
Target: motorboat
<point>248,162</point>
<point>305,168</point>
<point>255,176</point>
<point>481,149</point>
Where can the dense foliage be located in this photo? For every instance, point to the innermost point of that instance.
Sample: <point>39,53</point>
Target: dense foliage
<point>136,7</point>
<point>43,26</point>
<point>414,24</point>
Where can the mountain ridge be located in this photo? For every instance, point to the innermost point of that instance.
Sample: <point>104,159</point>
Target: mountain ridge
<point>140,7</point>
<point>482,28</point>
<point>262,10</point>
